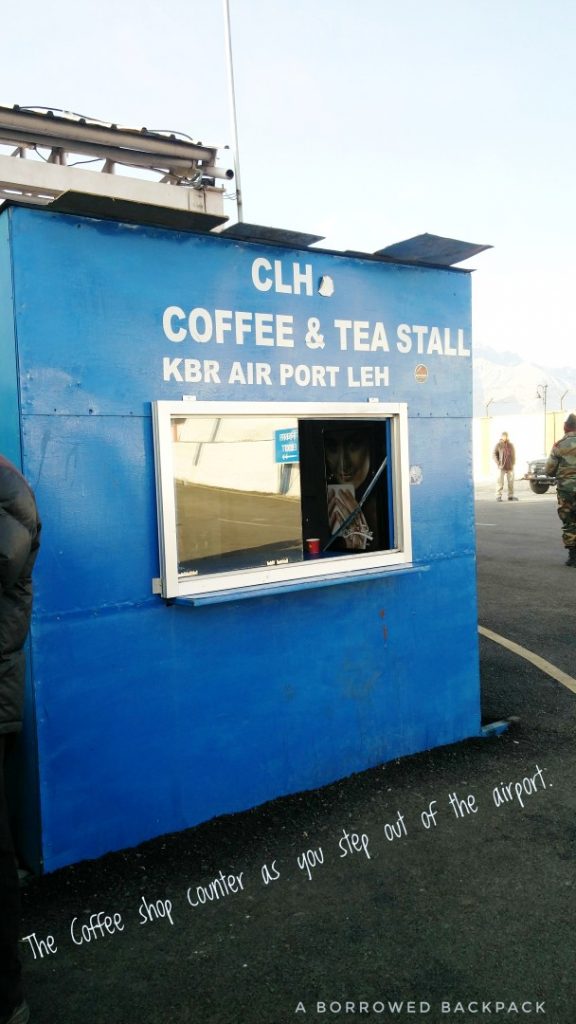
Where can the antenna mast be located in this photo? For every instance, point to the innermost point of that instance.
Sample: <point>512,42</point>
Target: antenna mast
<point>233,117</point>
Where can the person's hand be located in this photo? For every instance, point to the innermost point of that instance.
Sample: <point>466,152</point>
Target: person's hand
<point>357,534</point>
<point>342,504</point>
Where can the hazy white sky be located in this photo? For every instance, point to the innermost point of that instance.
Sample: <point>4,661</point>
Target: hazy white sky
<point>366,121</point>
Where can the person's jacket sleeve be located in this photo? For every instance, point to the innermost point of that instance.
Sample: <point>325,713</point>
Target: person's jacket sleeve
<point>15,544</point>
<point>19,543</point>
<point>552,463</point>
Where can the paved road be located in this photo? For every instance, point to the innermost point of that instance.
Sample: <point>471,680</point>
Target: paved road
<point>475,909</point>
<point>523,585</point>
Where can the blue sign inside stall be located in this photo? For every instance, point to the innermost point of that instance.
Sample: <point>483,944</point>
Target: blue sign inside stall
<point>286,445</point>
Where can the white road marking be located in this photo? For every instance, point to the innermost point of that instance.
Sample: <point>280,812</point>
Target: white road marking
<point>535,659</point>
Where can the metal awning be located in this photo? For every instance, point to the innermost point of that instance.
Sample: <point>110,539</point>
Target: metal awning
<point>276,236</point>
<point>432,249</point>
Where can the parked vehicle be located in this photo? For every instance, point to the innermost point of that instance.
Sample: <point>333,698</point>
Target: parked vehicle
<point>537,476</point>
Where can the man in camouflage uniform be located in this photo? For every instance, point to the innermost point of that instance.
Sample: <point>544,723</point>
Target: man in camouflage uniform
<point>562,465</point>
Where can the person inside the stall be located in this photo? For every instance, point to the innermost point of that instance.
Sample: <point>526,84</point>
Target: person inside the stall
<point>355,480</point>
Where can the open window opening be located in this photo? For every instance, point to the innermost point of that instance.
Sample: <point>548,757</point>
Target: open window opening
<point>256,494</point>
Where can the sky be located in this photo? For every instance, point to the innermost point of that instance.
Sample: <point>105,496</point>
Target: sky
<point>367,122</point>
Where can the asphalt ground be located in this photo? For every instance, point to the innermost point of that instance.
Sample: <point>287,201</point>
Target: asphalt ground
<point>469,918</point>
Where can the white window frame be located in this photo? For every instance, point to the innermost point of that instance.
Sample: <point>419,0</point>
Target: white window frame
<point>173,585</point>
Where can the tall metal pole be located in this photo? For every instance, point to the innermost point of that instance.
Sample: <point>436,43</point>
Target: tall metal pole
<point>234,121</point>
<point>541,393</point>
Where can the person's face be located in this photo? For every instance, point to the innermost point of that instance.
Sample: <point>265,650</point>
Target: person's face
<point>504,437</point>
<point>347,456</point>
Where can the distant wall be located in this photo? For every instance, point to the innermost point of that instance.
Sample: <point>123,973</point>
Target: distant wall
<point>526,432</point>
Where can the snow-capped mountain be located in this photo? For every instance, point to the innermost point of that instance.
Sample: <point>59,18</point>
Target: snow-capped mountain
<point>504,384</point>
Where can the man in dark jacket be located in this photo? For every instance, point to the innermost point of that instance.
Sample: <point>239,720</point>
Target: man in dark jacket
<point>19,542</point>
<point>505,459</point>
<point>562,464</point>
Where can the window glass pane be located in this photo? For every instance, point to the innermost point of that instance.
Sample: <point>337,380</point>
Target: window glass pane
<point>237,492</point>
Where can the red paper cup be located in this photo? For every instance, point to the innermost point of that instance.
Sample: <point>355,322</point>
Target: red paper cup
<point>313,546</point>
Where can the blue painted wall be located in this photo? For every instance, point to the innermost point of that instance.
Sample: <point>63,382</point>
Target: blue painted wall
<point>152,718</point>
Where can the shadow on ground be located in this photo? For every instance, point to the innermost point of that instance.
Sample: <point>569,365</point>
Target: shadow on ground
<point>473,907</point>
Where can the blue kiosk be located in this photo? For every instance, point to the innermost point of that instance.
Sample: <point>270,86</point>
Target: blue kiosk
<point>253,464</point>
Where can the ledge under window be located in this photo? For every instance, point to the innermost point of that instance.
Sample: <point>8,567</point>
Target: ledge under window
<point>270,589</point>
